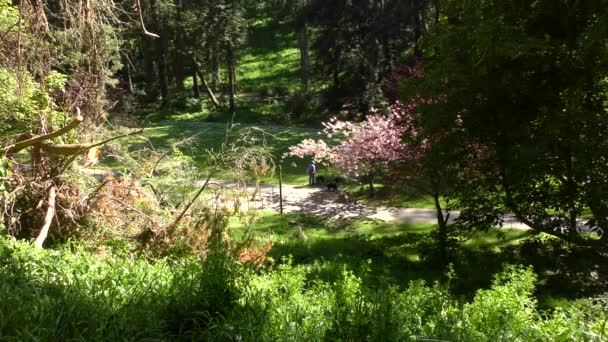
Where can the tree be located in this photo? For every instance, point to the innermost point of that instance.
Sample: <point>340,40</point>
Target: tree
<point>367,148</point>
<point>295,11</point>
<point>398,146</point>
<point>360,41</point>
<point>234,37</point>
<point>528,79</point>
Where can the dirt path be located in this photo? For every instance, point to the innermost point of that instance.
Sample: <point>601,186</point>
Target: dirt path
<point>319,201</point>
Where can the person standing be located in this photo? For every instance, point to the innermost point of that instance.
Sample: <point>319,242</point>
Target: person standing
<point>312,171</point>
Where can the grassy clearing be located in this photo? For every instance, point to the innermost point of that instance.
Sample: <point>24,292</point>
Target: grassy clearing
<point>268,81</point>
<point>210,136</point>
<point>384,197</point>
<point>271,58</point>
<point>399,252</point>
<point>270,62</point>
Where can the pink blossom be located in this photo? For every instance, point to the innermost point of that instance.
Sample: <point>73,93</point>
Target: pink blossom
<point>377,142</point>
<point>317,149</point>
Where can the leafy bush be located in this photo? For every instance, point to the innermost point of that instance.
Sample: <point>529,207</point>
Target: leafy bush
<point>70,294</point>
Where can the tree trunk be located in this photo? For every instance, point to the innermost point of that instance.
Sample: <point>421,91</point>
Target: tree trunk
<point>437,10</point>
<point>417,32</point>
<point>161,51</point>
<point>443,230</point>
<point>129,78</point>
<point>336,76</point>
<point>195,88</point>
<point>162,68</point>
<point>151,88</point>
<point>571,188</point>
<point>178,64</point>
<point>304,65</point>
<point>231,77</point>
<point>215,65</point>
<point>388,57</point>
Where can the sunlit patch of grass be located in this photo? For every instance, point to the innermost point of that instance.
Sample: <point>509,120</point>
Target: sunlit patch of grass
<point>497,238</point>
<point>211,135</point>
<point>393,247</point>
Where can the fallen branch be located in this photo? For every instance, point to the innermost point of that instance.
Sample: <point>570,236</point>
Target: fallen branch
<point>141,21</point>
<point>97,190</point>
<point>75,149</point>
<point>208,90</point>
<point>16,147</point>
<point>48,219</point>
<point>130,207</point>
<point>162,156</point>
<point>181,215</point>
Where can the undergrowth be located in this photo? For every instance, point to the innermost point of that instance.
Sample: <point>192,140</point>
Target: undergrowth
<point>71,294</point>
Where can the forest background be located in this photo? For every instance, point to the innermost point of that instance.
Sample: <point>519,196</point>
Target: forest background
<point>131,128</point>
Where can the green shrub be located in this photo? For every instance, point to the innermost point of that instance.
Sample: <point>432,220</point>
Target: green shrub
<point>70,294</point>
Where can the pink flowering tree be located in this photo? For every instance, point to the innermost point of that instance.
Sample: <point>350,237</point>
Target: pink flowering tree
<point>366,148</point>
<point>394,144</point>
<point>421,145</point>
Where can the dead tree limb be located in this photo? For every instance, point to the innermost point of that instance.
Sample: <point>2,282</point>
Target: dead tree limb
<point>141,21</point>
<point>181,215</point>
<point>208,90</point>
<point>16,147</point>
<point>97,190</point>
<point>48,219</point>
<point>74,149</point>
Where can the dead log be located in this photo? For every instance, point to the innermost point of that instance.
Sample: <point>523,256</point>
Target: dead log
<point>48,219</point>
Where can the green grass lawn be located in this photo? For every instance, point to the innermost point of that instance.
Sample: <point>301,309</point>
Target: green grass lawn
<point>268,75</point>
<point>393,248</point>
<point>271,58</point>
<point>399,198</point>
<point>210,136</point>
<point>396,253</point>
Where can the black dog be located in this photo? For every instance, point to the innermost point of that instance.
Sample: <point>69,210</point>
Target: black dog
<point>332,186</point>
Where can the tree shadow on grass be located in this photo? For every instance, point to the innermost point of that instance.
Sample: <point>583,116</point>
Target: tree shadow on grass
<point>399,259</point>
<point>327,257</point>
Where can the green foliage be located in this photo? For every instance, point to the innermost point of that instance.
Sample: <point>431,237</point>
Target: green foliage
<point>359,42</point>
<point>18,102</point>
<point>9,15</point>
<point>70,294</point>
<point>503,312</point>
<point>521,78</point>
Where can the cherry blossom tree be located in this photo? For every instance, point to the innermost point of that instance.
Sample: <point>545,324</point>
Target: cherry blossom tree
<point>369,147</point>
<point>427,161</point>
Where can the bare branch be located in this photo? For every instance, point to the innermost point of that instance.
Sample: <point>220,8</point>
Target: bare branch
<point>200,191</point>
<point>74,149</point>
<point>48,219</point>
<point>38,139</point>
<point>141,21</point>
